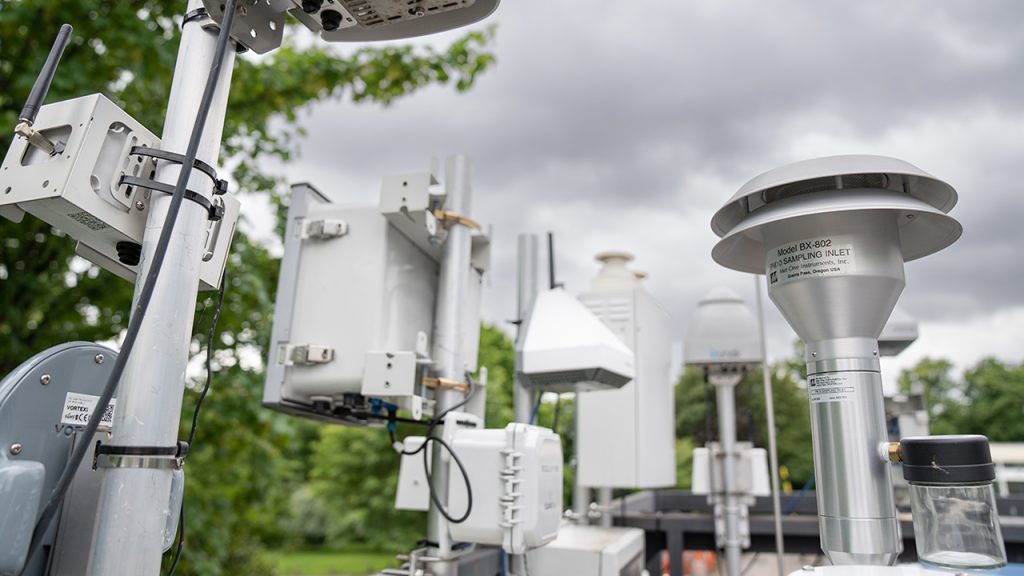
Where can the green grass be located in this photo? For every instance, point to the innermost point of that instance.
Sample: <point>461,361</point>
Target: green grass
<point>331,563</point>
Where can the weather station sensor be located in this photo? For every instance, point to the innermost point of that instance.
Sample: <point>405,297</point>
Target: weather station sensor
<point>832,235</point>
<point>259,24</point>
<point>722,339</point>
<point>567,348</point>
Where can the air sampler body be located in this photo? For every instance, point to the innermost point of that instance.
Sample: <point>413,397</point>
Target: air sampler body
<point>831,235</point>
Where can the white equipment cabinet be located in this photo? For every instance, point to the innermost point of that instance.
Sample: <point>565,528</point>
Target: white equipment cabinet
<point>591,551</point>
<point>516,478</point>
<point>626,435</point>
<point>355,302</point>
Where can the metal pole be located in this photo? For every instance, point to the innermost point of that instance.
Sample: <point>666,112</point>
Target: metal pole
<point>448,353</point>
<point>604,501</point>
<point>526,289</point>
<point>527,273</point>
<point>773,453</point>
<point>580,493</point>
<point>725,390</point>
<point>133,504</point>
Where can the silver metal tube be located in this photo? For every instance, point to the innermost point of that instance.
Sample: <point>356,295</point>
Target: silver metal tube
<point>839,317</point>
<point>580,493</point>
<point>448,350</point>
<point>134,502</point>
<point>526,291</point>
<point>856,504</point>
<point>604,501</point>
<point>725,391</point>
<point>773,451</point>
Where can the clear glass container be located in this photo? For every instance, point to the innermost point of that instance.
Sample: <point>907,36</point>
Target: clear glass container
<point>957,526</point>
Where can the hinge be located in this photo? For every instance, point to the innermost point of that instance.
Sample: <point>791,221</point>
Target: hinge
<point>325,229</point>
<point>305,354</point>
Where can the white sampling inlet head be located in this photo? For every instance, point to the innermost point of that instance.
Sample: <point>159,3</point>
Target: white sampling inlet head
<point>567,348</point>
<point>831,236</point>
<point>614,276</point>
<point>723,333</point>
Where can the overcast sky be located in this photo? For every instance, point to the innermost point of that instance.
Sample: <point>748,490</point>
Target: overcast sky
<point>625,125</point>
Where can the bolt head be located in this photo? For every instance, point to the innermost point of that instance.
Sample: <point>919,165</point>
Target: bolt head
<point>140,205</point>
<point>44,379</point>
<point>16,448</point>
<point>99,358</point>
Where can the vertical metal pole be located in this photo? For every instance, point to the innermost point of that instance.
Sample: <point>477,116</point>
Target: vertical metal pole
<point>773,453</point>
<point>448,352</point>
<point>725,389</point>
<point>527,273</point>
<point>133,504</point>
<point>526,289</point>
<point>580,493</point>
<point>604,501</point>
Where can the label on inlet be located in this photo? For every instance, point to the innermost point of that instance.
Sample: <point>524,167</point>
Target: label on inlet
<point>811,258</point>
<point>78,408</point>
<point>830,388</point>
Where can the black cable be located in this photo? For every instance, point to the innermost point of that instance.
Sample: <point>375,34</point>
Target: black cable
<point>181,538</point>
<point>210,349</point>
<point>426,462</point>
<point>750,564</point>
<point>465,478</point>
<point>145,295</point>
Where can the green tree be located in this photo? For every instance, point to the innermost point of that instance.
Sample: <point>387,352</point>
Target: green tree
<point>240,477</point>
<point>933,378</point>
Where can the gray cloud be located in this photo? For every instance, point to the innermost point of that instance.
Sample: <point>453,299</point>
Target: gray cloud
<point>626,124</point>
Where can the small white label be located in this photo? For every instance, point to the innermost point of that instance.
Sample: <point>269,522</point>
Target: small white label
<point>78,408</point>
<point>830,388</point>
<point>814,257</point>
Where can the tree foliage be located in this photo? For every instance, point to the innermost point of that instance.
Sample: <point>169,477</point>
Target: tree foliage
<point>247,462</point>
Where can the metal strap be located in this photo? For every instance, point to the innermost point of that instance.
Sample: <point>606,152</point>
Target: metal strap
<point>197,14</point>
<point>219,186</point>
<point>214,211</point>
<point>147,457</point>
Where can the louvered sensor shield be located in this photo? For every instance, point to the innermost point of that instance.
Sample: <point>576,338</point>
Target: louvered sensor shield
<point>568,349</point>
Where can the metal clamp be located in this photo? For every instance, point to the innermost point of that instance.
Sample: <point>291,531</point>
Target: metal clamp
<point>446,384</point>
<point>214,211</point>
<point>145,457</point>
<point>220,186</point>
<point>447,218</point>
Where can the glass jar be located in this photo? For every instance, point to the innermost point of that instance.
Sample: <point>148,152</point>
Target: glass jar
<point>952,496</point>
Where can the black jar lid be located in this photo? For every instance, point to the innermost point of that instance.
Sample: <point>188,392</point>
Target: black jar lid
<point>961,459</point>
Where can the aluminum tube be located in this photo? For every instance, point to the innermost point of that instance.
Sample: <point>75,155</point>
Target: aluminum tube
<point>725,390</point>
<point>856,505</point>
<point>526,292</point>
<point>134,502</point>
<point>448,352</point>
<point>604,501</point>
<point>773,451</point>
<point>580,493</point>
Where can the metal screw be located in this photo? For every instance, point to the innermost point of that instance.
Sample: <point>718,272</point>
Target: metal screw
<point>814,354</point>
<point>140,205</point>
<point>875,352</point>
<point>44,379</point>
<point>99,358</point>
<point>16,448</point>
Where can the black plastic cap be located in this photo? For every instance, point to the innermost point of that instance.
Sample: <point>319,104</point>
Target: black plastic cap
<point>330,20</point>
<point>963,459</point>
